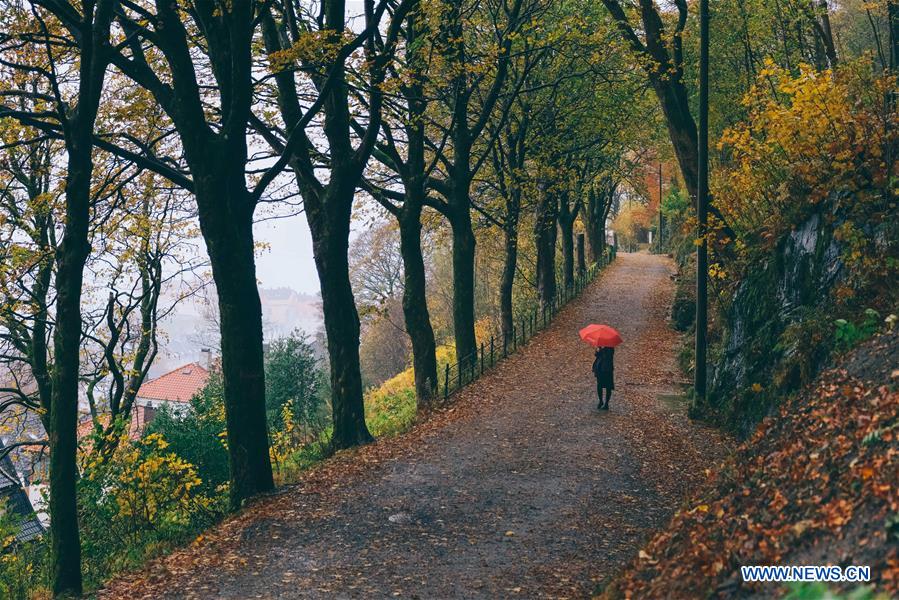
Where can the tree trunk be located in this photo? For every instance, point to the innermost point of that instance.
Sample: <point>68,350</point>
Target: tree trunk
<point>38,362</point>
<point>581,259</point>
<point>328,212</point>
<point>510,261</point>
<point>415,304</point>
<point>463,284</point>
<point>675,102</point>
<point>665,70</point>
<point>545,239</point>
<point>330,240</point>
<point>893,17</point>
<point>65,546</point>
<point>827,34</point>
<point>229,239</point>
<point>566,226</point>
<point>593,227</point>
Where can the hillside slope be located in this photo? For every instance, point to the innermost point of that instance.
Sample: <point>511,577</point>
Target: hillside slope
<point>818,484</point>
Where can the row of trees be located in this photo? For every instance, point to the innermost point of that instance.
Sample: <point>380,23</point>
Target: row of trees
<point>124,122</point>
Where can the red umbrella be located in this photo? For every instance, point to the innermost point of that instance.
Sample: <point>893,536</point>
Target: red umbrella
<point>600,336</point>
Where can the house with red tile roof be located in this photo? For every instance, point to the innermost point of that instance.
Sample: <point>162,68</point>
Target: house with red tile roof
<point>23,469</point>
<point>173,390</point>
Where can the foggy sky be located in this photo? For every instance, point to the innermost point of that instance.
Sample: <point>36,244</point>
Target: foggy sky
<point>288,261</point>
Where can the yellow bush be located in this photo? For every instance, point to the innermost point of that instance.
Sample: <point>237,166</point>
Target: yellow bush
<point>283,442</point>
<point>806,136</point>
<point>391,407</point>
<point>143,486</point>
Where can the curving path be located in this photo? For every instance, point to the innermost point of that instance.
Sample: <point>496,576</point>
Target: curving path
<point>520,489</point>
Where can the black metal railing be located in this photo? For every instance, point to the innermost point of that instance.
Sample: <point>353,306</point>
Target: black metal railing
<point>458,375</point>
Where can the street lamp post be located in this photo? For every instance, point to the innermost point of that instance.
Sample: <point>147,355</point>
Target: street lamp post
<point>660,207</point>
<point>702,257</point>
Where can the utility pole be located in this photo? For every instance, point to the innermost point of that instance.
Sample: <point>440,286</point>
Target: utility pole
<point>702,200</point>
<point>893,96</point>
<point>893,17</point>
<point>660,207</point>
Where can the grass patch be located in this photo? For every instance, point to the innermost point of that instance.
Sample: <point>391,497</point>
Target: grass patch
<point>390,408</point>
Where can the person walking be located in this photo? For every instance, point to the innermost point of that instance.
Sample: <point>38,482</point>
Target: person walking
<point>604,370</point>
<point>604,339</point>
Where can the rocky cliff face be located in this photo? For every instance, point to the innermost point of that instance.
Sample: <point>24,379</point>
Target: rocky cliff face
<point>774,322</point>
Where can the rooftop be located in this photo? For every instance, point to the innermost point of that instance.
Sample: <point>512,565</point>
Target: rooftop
<point>14,500</point>
<point>178,385</point>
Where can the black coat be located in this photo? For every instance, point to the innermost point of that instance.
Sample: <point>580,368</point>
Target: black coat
<point>604,368</point>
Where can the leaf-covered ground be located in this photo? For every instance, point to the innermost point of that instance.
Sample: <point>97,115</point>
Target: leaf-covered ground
<point>520,488</point>
<point>816,485</point>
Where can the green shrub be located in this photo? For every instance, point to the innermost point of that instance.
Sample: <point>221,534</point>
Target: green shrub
<point>847,334</point>
<point>294,379</point>
<point>198,435</point>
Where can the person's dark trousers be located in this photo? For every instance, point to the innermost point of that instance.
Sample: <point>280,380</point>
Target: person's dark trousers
<point>603,404</point>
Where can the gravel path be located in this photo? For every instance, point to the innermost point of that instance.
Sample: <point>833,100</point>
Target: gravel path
<point>520,489</point>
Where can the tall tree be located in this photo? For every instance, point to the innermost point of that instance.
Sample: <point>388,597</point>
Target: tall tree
<point>129,237</point>
<point>413,172</point>
<point>662,57</point>
<point>166,52</point>
<point>509,158</point>
<point>469,100</point>
<point>87,26</point>
<point>328,201</point>
<point>571,204</point>
<point>569,209</point>
<point>663,60</point>
<point>545,235</point>
<point>78,130</point>
<point>596,212</point>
